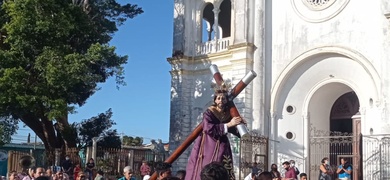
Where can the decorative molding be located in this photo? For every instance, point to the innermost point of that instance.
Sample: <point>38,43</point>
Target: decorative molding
<point>318,5</point>
<point>241,45</point>
<point>333,51</point>
<point>189,72</point>
<point>212,57</point>
<point>314,132</point>
<point>317,11</point>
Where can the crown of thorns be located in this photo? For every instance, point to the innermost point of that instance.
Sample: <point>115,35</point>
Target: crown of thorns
<point>225,87</point>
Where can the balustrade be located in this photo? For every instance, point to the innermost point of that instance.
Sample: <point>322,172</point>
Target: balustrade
<point>213,46</point>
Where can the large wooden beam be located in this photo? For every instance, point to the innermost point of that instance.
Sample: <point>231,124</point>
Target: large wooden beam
<point>232,108</point>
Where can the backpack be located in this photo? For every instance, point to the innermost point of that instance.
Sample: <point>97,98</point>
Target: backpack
<point>296,171</point>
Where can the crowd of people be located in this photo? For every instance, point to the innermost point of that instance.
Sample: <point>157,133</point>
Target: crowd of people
<point>210,158</point>
<point>39,173</point>
<point>211,171</point>
<point>291,172</point>
<point>66,171</point>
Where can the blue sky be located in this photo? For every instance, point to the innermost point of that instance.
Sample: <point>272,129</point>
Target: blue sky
<point>142,107</point>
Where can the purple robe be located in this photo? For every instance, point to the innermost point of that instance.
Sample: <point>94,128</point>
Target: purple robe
<point>210,146</point>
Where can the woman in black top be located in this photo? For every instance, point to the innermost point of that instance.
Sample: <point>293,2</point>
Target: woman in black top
<point>89,168</point>
<point>275,172</point>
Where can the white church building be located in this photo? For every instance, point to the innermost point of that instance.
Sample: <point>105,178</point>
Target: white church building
<point>322,87</point>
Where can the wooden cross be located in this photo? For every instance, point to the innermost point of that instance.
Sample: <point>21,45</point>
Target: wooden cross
<point>242,129</point>
<point>232,108</point>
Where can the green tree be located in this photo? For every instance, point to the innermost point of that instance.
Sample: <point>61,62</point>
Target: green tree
<point>131,141</point>
<point>98,126</point>
<point>53,53</point>
<point>8,126</point>
<point>110,139</point>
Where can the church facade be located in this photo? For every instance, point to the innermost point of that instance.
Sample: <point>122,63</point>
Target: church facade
<point>323,78</point>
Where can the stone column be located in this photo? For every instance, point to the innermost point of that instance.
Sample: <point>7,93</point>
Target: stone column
<point>259,121</point>
<point>306,141</point>
<point>209,31</point>
<point>356,122</point>
<point>273,138</point>
<point>198,36</point>
<point>240,21</point>
<point>216,29</point>
<point>178,27</point>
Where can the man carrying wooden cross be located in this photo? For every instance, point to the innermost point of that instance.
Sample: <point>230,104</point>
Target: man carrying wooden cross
<point>212,145</point>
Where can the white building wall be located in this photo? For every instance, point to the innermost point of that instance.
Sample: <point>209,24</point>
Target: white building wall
<point>363,33</point>
<point>364,38</point>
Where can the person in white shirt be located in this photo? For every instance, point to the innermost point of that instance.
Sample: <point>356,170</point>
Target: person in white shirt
<point>250,176</point>
<point>146,177</point>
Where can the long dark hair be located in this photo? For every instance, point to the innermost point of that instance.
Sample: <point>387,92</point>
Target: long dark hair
<point>324,159</point>
<point>218,92</point>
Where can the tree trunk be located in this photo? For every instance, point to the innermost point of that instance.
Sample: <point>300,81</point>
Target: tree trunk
<point>44,129</point>
<point>69,140</point>
<point>50,154</point>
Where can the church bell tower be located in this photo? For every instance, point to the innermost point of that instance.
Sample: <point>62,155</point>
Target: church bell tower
<point>230,34</point>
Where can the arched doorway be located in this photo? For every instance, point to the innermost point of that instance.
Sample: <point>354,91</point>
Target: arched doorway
<point>334,129</point>
<point>339,136</point>
<point>345,125</point>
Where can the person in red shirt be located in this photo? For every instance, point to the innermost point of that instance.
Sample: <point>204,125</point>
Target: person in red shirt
<point>76,170</point>
<point>290,172</point>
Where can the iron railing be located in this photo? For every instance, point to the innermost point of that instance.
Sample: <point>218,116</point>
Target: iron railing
<point>376,156</point>
<point>253,150</point>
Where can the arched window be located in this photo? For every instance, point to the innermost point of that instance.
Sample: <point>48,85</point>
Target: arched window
<point>224,19</point>
<point>208,23</point>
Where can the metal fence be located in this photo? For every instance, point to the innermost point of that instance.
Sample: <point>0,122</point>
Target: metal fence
<point>76,155</point>
<point>333,145</point>
<point>253,150</point>
<point>376,156</point>
<point>112,161</point>
<point>369,155</point>
<point>21,160</point>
